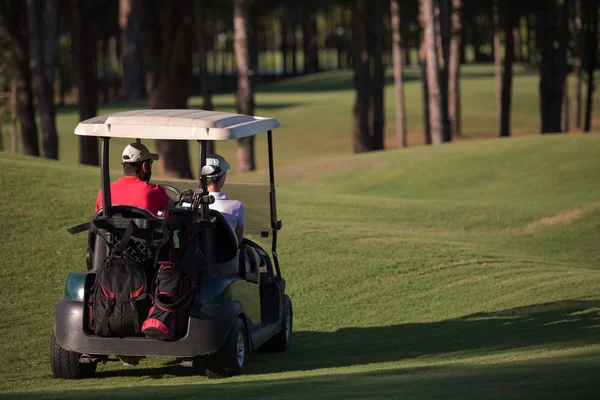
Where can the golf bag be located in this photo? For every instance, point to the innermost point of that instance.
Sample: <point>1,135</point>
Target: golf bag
<point>120,299</point>
<point>172,296</point>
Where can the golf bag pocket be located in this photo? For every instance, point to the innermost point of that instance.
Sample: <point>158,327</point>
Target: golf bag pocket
<point>172,297</point>
<point>119,300</point>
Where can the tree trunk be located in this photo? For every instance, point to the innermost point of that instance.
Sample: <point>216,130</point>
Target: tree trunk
<point>564,122</point>
<point>14,143</point>
<point>444,22</point>
<point>433,78</point>
<point>26,113</point>
<point>201,25</point>
<point>576,32</point>
<point>339,37</point>
<point>62,78</point>
<point>283,23</point>
<point>423,65</point>
<point>463,41</point>
<point>361,135</point>
<point>50,47</point>
<point>347,42</point>
<point>516,34</point>
<point>311,55</point>
<point>166,46</point>
<point>244,98</point>
<point>552,34</point>
<point>497,55</point>
<point>133,80</point>
<point>476,40</point>
<point>397,52</point>
<point>376,41</point>
<point>104,61</point>
<point>531,42</point>
<point>367,38</point>
<point>25,106</point>
<point>406,55</point>
<point>41,87</point>
<point>592,56</point>
<point>294,22</point>
<point>83,47</point>
<point>454,69</point>
<point>13,18</point>
<point>205,81</point>
<point>507,76</point>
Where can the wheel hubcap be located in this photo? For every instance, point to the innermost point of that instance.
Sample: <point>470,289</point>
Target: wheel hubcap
<point>241,349</point>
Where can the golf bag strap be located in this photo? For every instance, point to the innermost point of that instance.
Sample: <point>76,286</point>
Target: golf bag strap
<point>123,242</point>
<point>183,302</point>
<point>74,230</point>
<point>125,238</point>
<point>140,222</point>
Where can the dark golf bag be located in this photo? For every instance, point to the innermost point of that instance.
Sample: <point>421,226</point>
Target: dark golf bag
<point>172,296</point>
<point>175,281</point>
<point>120,299</point>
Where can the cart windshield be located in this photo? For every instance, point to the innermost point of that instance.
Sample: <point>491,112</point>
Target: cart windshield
<point>254,196</point>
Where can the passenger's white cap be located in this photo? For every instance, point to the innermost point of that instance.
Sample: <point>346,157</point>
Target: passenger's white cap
<point>137,152</point>
<point>216,165</point>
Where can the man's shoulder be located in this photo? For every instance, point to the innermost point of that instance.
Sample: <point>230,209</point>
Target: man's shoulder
<point>139,184</point>
<point>236,205</point>
<point>155,186</point>
<point>233,202</point>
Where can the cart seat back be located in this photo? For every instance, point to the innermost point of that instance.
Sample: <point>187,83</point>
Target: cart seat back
<point>226,241</point>
<point>140,249</point>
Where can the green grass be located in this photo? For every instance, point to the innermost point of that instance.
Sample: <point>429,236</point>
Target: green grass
<point>315,112</point>
<point>464,270</point>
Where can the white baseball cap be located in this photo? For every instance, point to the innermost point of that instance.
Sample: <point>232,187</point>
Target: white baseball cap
<point>216,165</point>
<point>137,152</point>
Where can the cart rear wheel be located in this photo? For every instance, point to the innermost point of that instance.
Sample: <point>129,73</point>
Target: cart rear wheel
<point>231,358</point>
<point>65,364</point>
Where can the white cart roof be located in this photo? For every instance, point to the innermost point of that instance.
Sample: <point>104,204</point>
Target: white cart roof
<point>183,124</point>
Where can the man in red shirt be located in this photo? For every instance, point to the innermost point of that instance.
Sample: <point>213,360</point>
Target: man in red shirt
<point>133,188</point>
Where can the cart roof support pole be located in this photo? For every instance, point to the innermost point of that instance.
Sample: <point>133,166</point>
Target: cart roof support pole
<point>207,236</point>
<point>105,175</point>
<point>275,225</point>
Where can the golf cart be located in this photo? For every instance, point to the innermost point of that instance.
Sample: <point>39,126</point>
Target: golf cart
<point>229,313</point>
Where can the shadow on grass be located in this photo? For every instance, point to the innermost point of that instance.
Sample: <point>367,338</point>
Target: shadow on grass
<point>430,351</point>
<point>571,377</point>
<point>572,322</point>
<point>321,83</point>
<point>328,82</point>
<point>568,323</point>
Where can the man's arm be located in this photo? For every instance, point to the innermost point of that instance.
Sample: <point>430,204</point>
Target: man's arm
<point>165,201</point>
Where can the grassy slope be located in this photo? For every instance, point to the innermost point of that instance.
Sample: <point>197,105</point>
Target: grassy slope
<point>316,112</point>
<point>457,271</point>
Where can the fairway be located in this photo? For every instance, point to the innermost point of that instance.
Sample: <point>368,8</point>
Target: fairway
<point>315,112</point>
<point>464,270</point>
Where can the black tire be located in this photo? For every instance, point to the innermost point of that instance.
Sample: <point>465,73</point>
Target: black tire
<point>65,364</point>
<point>282,341</point>
<point>230,359</point>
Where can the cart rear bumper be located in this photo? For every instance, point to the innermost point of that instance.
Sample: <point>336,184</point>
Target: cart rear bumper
<point>207,329</point>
